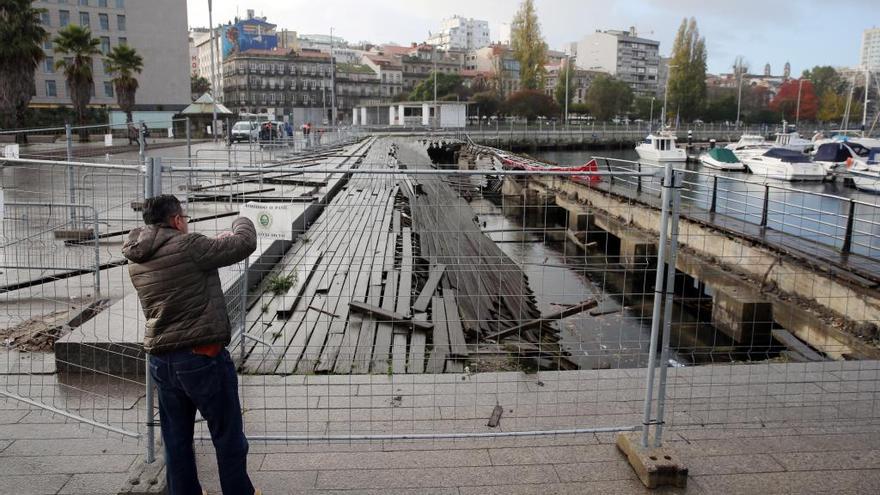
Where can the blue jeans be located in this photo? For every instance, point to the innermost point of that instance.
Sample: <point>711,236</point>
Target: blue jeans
<point>187,382</point>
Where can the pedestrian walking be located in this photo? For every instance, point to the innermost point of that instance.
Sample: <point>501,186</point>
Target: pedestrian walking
<point>187,328</point>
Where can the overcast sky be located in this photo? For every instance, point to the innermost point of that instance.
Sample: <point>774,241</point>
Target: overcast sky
<point>804,32</point>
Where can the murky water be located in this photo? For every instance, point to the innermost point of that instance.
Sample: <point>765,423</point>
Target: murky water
<point>617,333</point>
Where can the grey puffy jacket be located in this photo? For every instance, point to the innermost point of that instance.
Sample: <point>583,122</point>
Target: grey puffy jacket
<point>176,278</point>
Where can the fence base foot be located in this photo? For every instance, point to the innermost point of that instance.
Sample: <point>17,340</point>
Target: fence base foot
<point>654,466</point>
<point>144,479</point>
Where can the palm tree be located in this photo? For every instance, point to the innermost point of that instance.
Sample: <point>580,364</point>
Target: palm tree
<point>123,62</point>
<point>21,38</point>
<point>77,42</point>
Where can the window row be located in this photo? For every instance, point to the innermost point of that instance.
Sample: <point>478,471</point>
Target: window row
<point>85,20</point>
<point>51,88</point>
<point>120,4</point>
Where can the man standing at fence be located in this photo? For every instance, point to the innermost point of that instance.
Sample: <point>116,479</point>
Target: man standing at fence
<point>187,329</point>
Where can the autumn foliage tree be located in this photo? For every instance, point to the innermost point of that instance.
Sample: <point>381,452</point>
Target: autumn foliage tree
<point>786,100</point>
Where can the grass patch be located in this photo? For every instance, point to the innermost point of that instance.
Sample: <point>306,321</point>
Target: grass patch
<point>280,284</point>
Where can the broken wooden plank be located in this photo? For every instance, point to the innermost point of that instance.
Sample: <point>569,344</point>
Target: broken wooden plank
<point>284,304</point>
<point>565,313</point>
<point>430,287</point>
<point>440,344</point>
<point>385,329</point>
<point>416,363</point>
<point>381,314</point>
<point>457,344</point>
<point>796,346</point>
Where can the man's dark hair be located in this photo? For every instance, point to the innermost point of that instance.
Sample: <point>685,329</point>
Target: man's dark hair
<point>160,209</point>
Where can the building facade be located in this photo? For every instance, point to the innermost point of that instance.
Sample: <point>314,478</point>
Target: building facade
<point>624,55</point>
<point>497,60</point>
<point>419,61</point>
<point>156,29</point>
<point>459,33</point>
<point>579,85</point>
<point>277,81</point>
<point>869,56</point>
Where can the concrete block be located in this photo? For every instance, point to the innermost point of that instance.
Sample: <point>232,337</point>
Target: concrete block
<point>742,314</point>
<point>654,466</point>
<point>145,478</point>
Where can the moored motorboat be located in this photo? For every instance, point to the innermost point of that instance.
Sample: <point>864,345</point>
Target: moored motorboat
<point>660,148</point>
<point>833,155</point>
<point>865,172</point>
<point>721,159</point>
<point>748,145</point>
<point>778,163</point>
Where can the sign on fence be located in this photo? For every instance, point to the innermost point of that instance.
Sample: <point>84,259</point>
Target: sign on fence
<point>108,140</point>
<point>10,151</point>
<point>272,220</point>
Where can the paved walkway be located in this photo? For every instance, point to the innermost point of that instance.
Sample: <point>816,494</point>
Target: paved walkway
<point>763,428</point>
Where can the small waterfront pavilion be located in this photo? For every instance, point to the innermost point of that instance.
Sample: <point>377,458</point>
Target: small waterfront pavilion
<point>440,114</point>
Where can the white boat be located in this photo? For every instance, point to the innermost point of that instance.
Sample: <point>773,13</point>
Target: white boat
<point>660,148</point>
<point>834,155</point>
<point>721,159</point>
<point>865,172</point>
<point>777,163</point>
<point>748,145</point>
<point>792,141</point>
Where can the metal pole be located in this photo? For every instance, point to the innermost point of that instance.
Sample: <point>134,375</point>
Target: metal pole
<point>149,192</point>
<point>141,145</point>
<point>865,106</point>
<point>332,84</point>
<point>97,235</point>
<point>71,185</point>
<point>567,76</point>
<point>847,237</point>
<point>797,115</point>
<point>188,154</point>
<point>739,95</point>
<point>714,204</point>
<point>658,301</point>
<point>213,73</point>
<point>667,308</point>
<point>766,206</point>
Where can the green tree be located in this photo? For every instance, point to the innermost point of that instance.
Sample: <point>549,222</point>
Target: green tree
<point>447,84</point>
<point>825,78</point>
<point>643,106</point>
<point>608,97</point>
<point>565,74</point>
<point>123,63</point>
<point>528,46</point>
<point>831,106</point>
<point>487,103</point>
<point>687,71</point>
<point>77,43</point>
<point>198,86</point>
<point>531,104</point>
<point>720,109</point>
<point>21,39</point>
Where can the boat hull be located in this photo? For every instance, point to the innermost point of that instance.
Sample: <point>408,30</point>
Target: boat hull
<point>676,155</point>
<point>866,180</point>
<point>777,169</point>
<point>710,162</point>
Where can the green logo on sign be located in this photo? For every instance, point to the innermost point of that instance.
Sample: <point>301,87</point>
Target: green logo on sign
<point>265,219</point>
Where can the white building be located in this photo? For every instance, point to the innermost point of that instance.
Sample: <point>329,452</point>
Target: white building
<point>870,54</point>
<point>624,55</point>
<point>201,46</point>
<point>458,33</point>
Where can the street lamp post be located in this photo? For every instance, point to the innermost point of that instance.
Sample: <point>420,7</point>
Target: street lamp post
<point>739,95</point>
<point>332,84</point>
<point>567,77</point>
<point>651,118</point>
<point>213,74</point>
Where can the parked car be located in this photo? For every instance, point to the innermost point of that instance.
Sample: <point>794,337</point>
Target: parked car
<point>245,131</point>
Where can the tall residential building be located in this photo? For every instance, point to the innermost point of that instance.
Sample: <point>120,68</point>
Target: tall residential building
<point>624,55</point>
<point>870,54</point>
<point>458,33</point>
<point>156,29</point>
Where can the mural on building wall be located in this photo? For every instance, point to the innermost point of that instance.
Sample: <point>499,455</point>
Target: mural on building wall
<point>247,35</point>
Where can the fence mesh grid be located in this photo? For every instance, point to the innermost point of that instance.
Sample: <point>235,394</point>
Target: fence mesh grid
<point>422,298</point>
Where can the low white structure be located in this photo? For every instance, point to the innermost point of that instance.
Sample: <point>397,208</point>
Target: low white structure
<point>442,114</point>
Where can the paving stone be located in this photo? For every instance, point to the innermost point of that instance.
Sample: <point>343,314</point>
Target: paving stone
<point>553,455</point>
<point>621,487</point>
<point>66,464</point>
<point>72,447</point>
<point>699,465</point>
<point>378,460</point>
<point>595,471</point>
<point>10,416</point>
<point>89,484</point>
<point>436,477</point>
<point>4,444</point>
<point>381,491</point>
<point>798,482</point>
<point>808,461</point>
<point>36,484</point>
